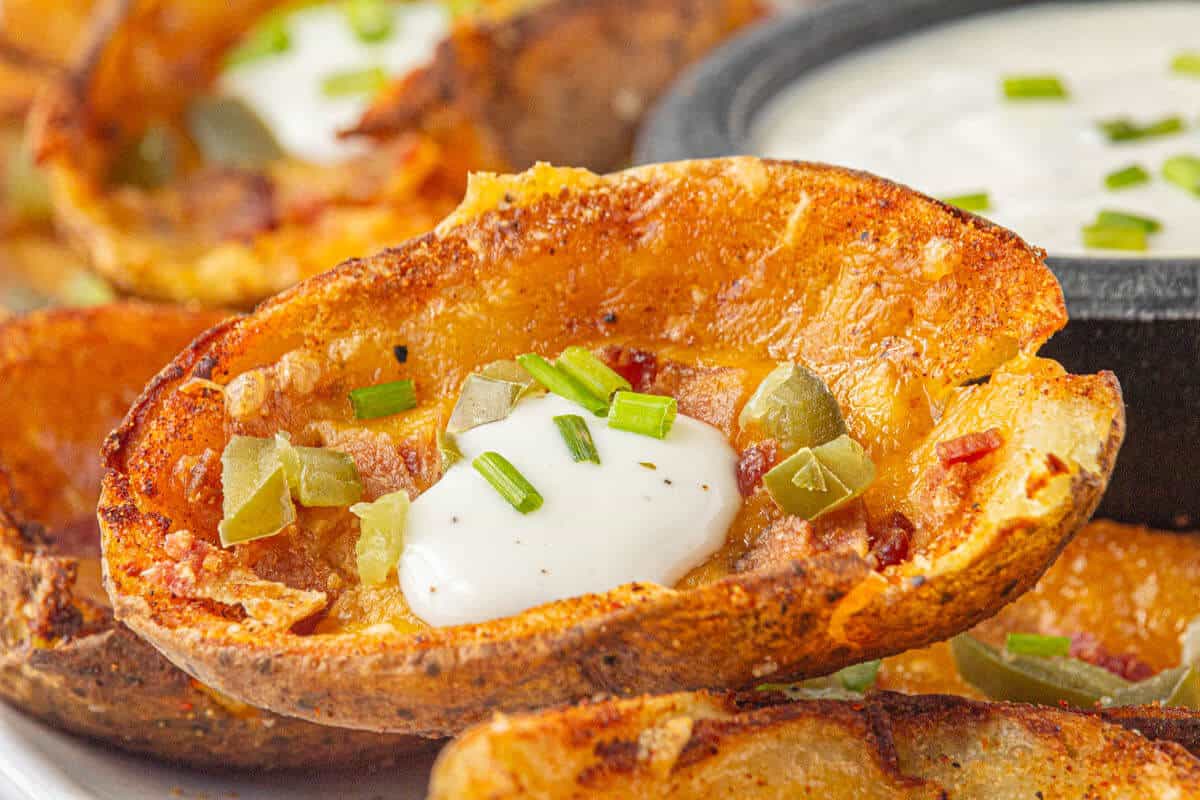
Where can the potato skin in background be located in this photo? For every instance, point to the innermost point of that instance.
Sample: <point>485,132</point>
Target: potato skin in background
<point>233,237</point>
<point>759,746</point>
<point>702,258</point>
<point>66,377</point>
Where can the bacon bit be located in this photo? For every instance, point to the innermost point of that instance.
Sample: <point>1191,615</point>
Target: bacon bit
<point>891,544</point>
<point>639,367</point>
<point>753,463</point>
<point>970,448</point>
<point>186,707</point>
<point>1086,647</point>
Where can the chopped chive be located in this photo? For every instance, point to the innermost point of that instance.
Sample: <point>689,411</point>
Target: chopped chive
<point>1187,63</point>
<point>1033,644</point>
<point>976,202</point>
<point>596,376</point>
<point>1123,129</point>
<point>1183,171</point>
<point>505,479</point>
<point>1034,87</point>
<point>371,20</point>
<point>647,414</point>
<point>578,438</point>
<point>270,37</point>
<point>1122,219</point>
<point>1123,178</point>
<point>562,384</point>
<point>359,81</point>
<point>1110,237</point>
<point>371,402</point>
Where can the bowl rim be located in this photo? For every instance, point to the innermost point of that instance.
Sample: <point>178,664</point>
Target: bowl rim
<point>711,110</point>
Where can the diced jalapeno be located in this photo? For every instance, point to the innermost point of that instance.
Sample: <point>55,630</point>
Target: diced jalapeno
<point>229,133</point>
<point>816,480</point>
<point>381,536</point>
<point>793,406</point>
<point>319,477</point>
<point>257,502</point>
<point>1173,687</point>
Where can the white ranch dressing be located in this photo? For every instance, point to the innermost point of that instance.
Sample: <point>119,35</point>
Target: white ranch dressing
<point>470,557</point>
<point>927,111</point>
<point>285,89</point>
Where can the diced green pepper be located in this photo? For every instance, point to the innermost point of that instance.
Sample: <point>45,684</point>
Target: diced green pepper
<point>793,406</point>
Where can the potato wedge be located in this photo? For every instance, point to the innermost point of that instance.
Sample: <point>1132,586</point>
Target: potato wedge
<point>888,746</point>
<point>65,379</point>
<point>716,267</point>
<point>230,237</point>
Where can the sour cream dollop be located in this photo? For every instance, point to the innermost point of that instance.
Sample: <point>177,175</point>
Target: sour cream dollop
<point>285,89</point>
<point>649,512</point>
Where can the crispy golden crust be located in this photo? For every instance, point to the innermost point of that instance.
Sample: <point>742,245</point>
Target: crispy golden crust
<point>544,85</point>
<point>893,298</point>
<point>65,378</point>
<point>291,219</point>
<point>746,746</point>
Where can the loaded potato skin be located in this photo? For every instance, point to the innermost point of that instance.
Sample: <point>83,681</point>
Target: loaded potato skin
<point>717,268</point>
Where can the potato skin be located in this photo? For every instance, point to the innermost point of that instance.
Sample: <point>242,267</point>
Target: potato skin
<point>759,745</point>
<point>66,376</point>
<point>712,254</point>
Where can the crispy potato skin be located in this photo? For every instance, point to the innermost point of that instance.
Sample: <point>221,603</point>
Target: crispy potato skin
<point>291,219</point>
<point>887,746</point>
<point>741,258</point>
<point>545,85</point>
<point>65,378</point>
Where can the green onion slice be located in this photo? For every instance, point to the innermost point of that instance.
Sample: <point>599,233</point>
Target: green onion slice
<point>228,132</point>
<point>596,376</point>
<point>1114,237</point>
<point>372,402</point>
<point>816,480</point>
<point>483,401</point>
<point>318,476</point>
<point>793,406</point>
<point>1183,171</point>
<point>562,384</point>
<point>1123,219</point>
<point>371,20</point>
<point>1124,129</point>
<point>380,537</point>
<point>1125,177</point>
<point>354,82</point>
<point>1034,87</point>
<point>270,37</point>
<point>1032,679</point>
<point>647,414</point>
<point>256,501</point>
<point>577,437</point>
<point>849,682</point>
<point>1187,63</point>
<point>1032,644</point>
<point>975,202</point>
<point>506,480</point>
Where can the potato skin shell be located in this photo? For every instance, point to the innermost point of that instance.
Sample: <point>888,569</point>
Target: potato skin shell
<point>760,745</point>
<point>800,618</point>
<point>68,374</point>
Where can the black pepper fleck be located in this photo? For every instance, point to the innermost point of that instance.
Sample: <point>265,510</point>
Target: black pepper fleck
<point>400,351</point>
<point>667,481</point>
<point>610,317</point>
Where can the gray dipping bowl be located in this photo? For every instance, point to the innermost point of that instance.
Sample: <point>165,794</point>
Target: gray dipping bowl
<point>1137,317</point>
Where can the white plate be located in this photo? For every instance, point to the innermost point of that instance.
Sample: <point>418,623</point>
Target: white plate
<point>37,763</point>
